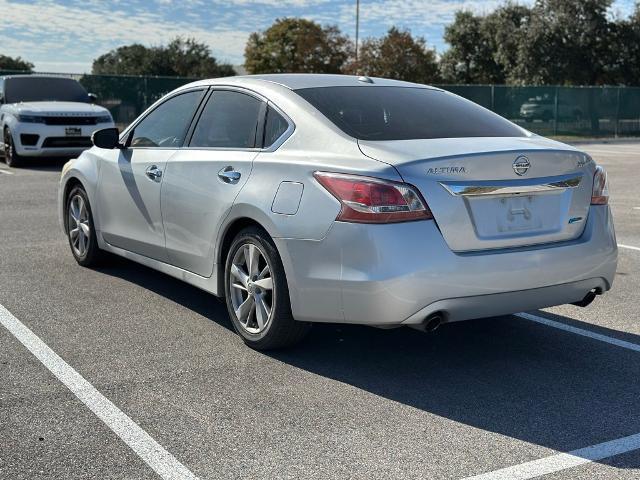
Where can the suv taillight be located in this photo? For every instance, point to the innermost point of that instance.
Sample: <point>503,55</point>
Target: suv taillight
<point>600,192</point>
<point>373,200</point>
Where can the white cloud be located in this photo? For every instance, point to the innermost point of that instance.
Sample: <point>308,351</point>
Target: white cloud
<point>91,32</point>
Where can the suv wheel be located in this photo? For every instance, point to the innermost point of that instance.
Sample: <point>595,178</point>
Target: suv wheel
<point>11,158</point>
<point>257,294</point>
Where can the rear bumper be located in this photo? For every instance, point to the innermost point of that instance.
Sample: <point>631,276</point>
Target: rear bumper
<point>400,273</point>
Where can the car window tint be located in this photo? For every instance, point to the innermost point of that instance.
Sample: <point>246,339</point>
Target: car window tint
<point>275,126</point>
<point>405,113</point>
<point>166,126</point>
<point>229,120</point>
<point>43,89</point>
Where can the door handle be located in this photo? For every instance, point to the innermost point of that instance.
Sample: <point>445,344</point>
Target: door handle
<point>229,175</point>
<point>153,172</point>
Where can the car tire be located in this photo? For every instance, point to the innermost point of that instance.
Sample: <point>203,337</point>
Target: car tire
<point>79,219</point>
<point>11,158</point>
<point>257,294</point>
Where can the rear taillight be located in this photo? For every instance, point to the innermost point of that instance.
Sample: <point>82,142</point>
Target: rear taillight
<point>372,200</point>
<point>600,192</point>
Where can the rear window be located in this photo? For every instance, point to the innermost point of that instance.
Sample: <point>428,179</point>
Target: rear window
<point>274,127</point>
<point>405,113</point>
<point>43,89</point>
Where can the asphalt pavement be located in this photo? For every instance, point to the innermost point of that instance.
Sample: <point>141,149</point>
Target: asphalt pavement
<point>350,402</point>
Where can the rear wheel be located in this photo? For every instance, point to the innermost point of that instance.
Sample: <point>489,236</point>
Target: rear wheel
<point>11,158</point>
<point>80,229</point>
<point>257,294</point>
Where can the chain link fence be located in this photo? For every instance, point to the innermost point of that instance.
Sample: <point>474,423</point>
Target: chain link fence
<point>547,110</point>
<point>562,111</point>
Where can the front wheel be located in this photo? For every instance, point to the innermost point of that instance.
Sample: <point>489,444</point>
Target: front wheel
<point>80,228</point>
<point>11,158</point>
<point>257,294</point>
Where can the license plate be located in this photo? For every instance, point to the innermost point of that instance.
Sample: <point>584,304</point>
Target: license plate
<point>72,131</point>
<point>519,213</point>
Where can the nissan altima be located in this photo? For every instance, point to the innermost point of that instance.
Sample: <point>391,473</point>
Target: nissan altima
<point>328,198</point>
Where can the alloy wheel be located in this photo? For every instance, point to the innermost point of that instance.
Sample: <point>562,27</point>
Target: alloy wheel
<point>251,288</point>
<point>79,228</point>
<point>8,148</point>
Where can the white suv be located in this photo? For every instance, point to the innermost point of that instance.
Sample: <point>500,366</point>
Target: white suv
<point>45,116</point>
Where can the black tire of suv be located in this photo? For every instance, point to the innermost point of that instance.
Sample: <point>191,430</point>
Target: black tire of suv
<point>11,158</point>
<point>282,330</point>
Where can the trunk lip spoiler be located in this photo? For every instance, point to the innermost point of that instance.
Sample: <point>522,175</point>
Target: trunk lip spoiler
<point>512,187</point>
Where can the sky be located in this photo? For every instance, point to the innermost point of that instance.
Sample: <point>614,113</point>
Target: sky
<point>66,35</point>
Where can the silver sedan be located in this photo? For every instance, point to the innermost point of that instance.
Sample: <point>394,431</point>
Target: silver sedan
<point>329,198</point>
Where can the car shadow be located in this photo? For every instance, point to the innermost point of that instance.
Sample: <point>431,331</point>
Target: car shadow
<point>182,293</point>
<point>505,374</point>
<point>54,164</point>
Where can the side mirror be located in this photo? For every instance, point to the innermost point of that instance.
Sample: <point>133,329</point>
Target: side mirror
<point>108,138</point>
<point>93,98</point>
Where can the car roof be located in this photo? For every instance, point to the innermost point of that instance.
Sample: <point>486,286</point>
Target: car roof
<point>295,81</point>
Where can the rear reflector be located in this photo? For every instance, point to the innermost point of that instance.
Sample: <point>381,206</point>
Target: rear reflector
<point>600,192</point>
<point>372,200</point>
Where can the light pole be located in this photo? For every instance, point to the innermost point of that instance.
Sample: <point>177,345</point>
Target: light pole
<point>357,26</point>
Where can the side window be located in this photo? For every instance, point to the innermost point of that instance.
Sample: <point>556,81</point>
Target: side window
<point>167,125</point>
<point>274,127</point>
<point>1,91</point>
<point>229,120</point>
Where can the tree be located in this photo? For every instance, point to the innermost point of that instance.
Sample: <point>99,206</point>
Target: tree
<point>397,55</point>
<point>188,58</point>
<point>296,45</point>
<point>566,43</point>
<point>180,58</point>
<point>15,64</point>
<point>469,58</point>
<point>624,69</point>
<point>484,49</point>
<point>505,29</point>
<point>133,59</point>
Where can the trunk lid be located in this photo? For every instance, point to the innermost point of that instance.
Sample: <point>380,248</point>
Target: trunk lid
<point>479,200</point>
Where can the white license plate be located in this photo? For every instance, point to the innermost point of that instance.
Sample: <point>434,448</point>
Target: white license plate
<point>519,213</point>
<point>72,131</point>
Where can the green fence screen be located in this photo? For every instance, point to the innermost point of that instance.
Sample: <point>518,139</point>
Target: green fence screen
<point>548,110</point>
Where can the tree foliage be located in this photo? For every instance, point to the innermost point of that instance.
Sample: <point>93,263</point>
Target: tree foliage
<point>563,42</point>
<point>566,42</point>
<point>181,57</point>
<point>297,45</point>
<point>15,64</point>
<point>397,55</point>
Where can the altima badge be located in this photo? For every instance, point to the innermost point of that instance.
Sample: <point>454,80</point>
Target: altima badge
<point>521,165</point>
<point>446,170</point>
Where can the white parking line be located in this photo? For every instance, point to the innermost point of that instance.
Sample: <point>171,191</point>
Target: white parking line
<point>161,461</point>
<point>580,331</point>
<point>5,171</point>
<point>563,461</point>
<point>629,247</point>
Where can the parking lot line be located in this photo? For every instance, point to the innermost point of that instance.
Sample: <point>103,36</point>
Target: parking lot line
<point>153,454</point>
<point>629,247</point>
<point>5,171</point>
<point>579,331</point>
<point>563,461</point>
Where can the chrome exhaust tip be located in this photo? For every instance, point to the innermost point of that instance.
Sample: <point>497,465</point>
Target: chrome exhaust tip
<point>431,323</point>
